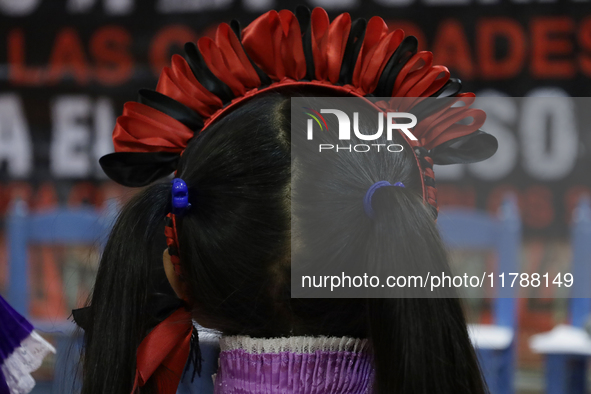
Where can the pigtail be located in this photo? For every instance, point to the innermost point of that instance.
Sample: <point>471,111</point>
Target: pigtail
<point>421,345</point>
<point>122,309</point>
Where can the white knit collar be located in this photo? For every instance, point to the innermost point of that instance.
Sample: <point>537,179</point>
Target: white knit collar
<point>296,344</point>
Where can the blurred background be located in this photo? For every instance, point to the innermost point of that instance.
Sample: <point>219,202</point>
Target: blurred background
<point>67,67</point>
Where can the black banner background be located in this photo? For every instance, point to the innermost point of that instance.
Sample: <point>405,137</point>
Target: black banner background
<point>67,67</point>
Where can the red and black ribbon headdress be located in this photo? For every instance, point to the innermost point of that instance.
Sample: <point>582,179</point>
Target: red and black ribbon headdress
<point>282,49</point>
<point>278,50</point>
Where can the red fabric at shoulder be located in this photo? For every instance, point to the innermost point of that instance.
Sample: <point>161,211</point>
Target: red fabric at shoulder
<point>163,353</point>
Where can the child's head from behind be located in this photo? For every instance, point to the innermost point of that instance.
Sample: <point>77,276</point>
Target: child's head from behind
<point>235,241</point>
<point>254,203</point>
<point>235,251</point>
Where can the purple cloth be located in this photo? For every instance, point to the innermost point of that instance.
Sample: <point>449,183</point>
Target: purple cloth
<point>3,386</point>
<point>321,372</point>
<point>13,330</point>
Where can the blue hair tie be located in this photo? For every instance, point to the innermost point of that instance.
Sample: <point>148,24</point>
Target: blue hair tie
<point>180,197</point>
<point>367,199</point>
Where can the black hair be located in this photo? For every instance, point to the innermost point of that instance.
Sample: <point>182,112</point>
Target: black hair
<point>235,258</point>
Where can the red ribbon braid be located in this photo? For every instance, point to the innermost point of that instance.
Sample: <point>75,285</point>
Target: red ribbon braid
<point>163,353</point>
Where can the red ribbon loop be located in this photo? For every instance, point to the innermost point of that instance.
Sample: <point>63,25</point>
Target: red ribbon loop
<point>163,353</point>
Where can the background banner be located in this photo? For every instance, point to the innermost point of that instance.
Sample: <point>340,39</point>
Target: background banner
<point>67,67</point>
